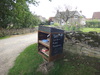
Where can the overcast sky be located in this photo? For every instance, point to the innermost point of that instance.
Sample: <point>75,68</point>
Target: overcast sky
<point>48,9</point>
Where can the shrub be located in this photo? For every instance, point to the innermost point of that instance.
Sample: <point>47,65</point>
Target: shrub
<point>72,27</point>
<point>56,24</point>
<point>93,23</point>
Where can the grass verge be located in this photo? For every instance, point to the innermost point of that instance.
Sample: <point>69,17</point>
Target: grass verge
<point>4,37</point>
<point>27,63</point>
<point>91,29</point>
<point>76,65</point>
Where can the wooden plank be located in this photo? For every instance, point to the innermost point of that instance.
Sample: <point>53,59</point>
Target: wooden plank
<point>43,56</point>
<point>50,33</point>
<point>58,56</point>
<point>44,32</point>
<point>46,53</point>
<point>45,44</point>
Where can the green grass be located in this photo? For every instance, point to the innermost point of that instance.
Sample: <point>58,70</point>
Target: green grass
<point>28,61</point>
<point>91,29</point>
<point>4,37</point>
<point>49,25</point>
<point>76,65</point>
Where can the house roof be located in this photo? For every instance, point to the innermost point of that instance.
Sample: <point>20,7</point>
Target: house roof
<point>68,13</point>
<point>96,15</point>
<point>51,18</point>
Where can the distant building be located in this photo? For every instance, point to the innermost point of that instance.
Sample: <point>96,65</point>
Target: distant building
<point>42,19</point>
<point>51,20</point>
<point>75,18</point>
<point>88,18</point>
<point>96,15</point>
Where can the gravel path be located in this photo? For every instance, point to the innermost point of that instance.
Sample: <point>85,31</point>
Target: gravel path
<point>10,48</point>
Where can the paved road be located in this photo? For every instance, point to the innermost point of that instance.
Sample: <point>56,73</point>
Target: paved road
<point>10,48</point>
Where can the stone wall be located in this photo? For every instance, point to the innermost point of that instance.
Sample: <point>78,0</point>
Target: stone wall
<point>8,32</point>
<point>83,43</point>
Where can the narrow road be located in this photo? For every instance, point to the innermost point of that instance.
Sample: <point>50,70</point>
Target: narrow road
<point>10,48</point>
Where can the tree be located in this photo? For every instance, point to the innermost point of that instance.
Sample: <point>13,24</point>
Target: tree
<point>66,15</point>
<point>22,16</point>
<point>16,12</point>
<point>5,12</point>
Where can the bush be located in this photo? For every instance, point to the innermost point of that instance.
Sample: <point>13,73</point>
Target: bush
<point>56,24</point>
<point>72,27</point>
<point>93,23</point>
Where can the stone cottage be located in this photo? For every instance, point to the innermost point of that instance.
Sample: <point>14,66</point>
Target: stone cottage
<point>69,17</point>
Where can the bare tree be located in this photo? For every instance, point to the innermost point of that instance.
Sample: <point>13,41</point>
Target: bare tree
<point>65,15</point>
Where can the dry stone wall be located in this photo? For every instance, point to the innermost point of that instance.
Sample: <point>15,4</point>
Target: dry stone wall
<point>83,43</point>
<point>8,32</point>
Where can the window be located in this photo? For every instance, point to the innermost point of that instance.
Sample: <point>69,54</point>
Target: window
<point>75,17</point>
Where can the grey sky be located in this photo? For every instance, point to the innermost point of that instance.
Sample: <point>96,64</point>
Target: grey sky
<point>48,9</point>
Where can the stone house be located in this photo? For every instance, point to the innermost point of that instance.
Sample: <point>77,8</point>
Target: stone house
<point>74,18</point>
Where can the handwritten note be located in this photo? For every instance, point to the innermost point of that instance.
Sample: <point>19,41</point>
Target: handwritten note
<point>57,43</point>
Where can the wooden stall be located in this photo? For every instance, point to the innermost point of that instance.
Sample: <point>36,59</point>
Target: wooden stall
<point>50,43</point>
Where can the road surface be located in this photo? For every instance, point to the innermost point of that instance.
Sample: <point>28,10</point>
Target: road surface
<point>10,48</point>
